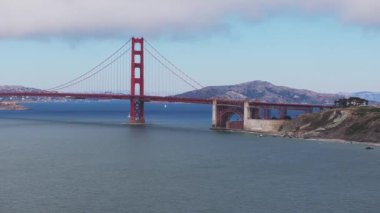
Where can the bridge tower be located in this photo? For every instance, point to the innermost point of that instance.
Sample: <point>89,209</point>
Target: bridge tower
<point>137,82</point>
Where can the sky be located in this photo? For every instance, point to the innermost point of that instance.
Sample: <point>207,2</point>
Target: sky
<point>322,45</point>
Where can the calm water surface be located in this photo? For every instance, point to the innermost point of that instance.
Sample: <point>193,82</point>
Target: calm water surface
<point>82,157</point>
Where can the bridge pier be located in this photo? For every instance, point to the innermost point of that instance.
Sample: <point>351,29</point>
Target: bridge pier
<point>224,111</point>
<point>137,112</point>
<point>214,114</point>
<point>247,114</point>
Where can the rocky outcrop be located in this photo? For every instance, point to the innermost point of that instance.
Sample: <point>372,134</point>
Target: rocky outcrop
<point>360,124</point>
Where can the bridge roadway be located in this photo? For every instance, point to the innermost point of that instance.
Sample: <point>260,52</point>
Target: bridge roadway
<point>168,99</point>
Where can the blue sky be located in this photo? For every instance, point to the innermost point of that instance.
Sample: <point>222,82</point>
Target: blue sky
<point>317,52</point>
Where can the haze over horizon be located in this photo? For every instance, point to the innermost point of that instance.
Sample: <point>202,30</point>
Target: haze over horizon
<point>325,46</point>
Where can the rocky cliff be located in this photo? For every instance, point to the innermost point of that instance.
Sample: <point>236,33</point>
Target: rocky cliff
<point>360,124</point>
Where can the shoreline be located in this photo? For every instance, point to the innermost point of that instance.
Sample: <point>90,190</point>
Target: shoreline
<point>327,140</point>
<point>342,141</point>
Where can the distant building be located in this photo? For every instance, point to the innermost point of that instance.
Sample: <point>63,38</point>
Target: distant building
<point>351,102</point>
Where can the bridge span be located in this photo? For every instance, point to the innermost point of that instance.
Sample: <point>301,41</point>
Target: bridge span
<point>123,76</point>
<point>222,109</point>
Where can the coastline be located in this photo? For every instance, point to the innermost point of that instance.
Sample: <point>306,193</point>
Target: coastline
<point>328,140</point>
<point>342,141</point>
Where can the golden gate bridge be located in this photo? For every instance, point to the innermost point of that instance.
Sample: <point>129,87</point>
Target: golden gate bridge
<point>138,72</point>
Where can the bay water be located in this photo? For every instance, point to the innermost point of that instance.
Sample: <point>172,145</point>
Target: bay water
<point>83,157</point>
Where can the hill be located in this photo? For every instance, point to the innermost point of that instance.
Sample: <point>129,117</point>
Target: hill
<point>263,91</point>
<point>6,88</point>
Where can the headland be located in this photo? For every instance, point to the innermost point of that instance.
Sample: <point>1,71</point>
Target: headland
<point>11,106</point>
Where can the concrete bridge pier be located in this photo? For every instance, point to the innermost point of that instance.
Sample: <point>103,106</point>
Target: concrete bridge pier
<point>214,113</point>
<point>247,114</point>
<point>224,114</point>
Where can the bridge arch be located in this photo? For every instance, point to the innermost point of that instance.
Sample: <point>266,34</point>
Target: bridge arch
<point>226,115</point>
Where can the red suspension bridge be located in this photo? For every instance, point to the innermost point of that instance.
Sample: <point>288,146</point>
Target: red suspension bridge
<point>140,73</point>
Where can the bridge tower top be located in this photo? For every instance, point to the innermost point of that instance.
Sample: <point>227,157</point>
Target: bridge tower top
<point>137,66</point>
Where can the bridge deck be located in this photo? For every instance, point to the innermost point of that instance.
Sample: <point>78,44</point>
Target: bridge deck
<point>169,99</point>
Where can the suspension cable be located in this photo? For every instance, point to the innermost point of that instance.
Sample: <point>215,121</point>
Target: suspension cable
<point>64,85</point>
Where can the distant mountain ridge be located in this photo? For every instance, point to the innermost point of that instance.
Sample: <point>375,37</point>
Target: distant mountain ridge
<point>263,91</point>
<point>254,90</point>
<point>371,96</point>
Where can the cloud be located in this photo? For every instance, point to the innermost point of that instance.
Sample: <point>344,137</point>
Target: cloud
<point>108,18</point>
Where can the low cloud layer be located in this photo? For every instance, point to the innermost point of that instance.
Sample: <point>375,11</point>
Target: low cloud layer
<point>98,18</point>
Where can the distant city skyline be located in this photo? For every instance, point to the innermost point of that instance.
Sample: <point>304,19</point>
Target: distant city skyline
<point>325,46</point>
